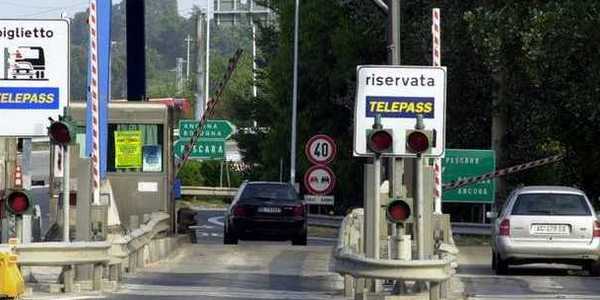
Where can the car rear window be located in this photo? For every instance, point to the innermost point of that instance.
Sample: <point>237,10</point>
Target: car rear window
<point>269,192</point>
<point>544,204</point>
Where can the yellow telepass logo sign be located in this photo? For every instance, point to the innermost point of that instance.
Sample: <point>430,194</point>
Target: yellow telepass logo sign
<point>400,107</point>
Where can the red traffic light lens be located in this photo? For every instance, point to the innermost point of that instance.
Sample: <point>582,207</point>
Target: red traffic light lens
<point>380,141</point>
<point>398,211</point>
<point>18,202</point>
<point>417,142</point>
<point>59,133</point>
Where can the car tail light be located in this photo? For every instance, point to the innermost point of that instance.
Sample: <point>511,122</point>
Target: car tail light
<point>504,229</point>
<point>298,211</point>
<point>596,229</point>
<point>240,211</point>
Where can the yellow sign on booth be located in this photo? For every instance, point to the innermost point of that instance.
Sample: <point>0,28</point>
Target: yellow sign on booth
<point>128,149</point>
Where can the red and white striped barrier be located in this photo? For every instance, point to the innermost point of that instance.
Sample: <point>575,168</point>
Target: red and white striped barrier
<point>212,102</point>
<point>437,61</point>
<point>93,23</point>
<point>514,169</point>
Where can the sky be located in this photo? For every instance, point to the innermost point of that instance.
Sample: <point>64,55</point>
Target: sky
<point>46,9</point>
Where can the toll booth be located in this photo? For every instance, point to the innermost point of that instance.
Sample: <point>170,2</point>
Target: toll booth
<point>143,185</point>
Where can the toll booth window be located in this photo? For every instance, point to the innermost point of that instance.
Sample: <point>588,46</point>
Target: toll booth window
<point>135,148</point>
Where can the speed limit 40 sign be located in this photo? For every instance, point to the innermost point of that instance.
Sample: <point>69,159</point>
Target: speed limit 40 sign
<point>320,149</point>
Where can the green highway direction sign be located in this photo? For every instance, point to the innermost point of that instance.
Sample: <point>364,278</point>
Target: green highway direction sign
<point>214,129</point>
<point>463,163</point>
<point>204,149</point>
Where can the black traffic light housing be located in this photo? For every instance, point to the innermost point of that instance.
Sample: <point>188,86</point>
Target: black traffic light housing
<point>380,140</point>
<point>19,202</point>
<point>62,132</point>
<point>419,141</point>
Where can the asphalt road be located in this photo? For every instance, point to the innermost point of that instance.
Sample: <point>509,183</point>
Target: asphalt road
<point>524,282</point>
<point>249,270</point>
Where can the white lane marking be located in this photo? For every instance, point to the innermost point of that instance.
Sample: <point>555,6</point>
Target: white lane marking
<point>57,297</point>
<point>214,220</point>
<point>215,234</point>
<point>221,292</point>
<point>533,297</point>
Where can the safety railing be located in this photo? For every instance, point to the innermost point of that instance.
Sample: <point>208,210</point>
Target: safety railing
<point>132,250</point>
<point>350,259</point>
<point>60,254</point>
<point>208,191</point>
<point>135,247</point>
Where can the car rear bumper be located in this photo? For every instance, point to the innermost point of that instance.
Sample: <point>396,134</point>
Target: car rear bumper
<point>269,226</point>
<point>510,249</point>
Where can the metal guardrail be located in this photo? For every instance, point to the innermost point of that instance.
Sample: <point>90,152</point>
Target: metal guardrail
<point>208,191</point>
<point>133,249</point>
<point>61,254</point>
<point>126,246</point>
<point>350,258</point>
<point>472,228</point>
<point>457,227</point>
<point>325,221</point>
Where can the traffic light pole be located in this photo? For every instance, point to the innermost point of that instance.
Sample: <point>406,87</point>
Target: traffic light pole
<point>66,192</point>
<point>418,188</point>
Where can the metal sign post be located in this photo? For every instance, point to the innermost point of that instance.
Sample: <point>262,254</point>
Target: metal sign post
<point>419,199</point>
<point>66,192</point>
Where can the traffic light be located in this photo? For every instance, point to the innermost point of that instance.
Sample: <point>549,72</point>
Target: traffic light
<point>380,141</point>
<point>62,132</point>
<point>419,141</point>
<point>398,211</point>
<point>19,202</point>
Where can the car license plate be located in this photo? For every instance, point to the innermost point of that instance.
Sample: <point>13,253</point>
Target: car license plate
<point>269,210</point>
<point>550,228</point>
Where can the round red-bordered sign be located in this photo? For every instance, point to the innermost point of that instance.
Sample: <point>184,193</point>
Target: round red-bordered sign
<point>320,149</point>
<point>319,180</point>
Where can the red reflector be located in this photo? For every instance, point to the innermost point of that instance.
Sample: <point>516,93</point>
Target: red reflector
<point>298,211</point>
<point>504,229</point>
<point>59,133</point>
<point>18,202</point>
<point>240,211</point>
<point>417,142</point>
<point>380,141</point>
<point>596,229</point>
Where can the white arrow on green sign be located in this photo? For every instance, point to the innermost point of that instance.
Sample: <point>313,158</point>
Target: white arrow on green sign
<point>214,129</point>
<point>204,149</point>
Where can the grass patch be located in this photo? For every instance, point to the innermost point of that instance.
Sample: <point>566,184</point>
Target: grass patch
<point>471,240</point>
<point>214,202</point>
<point>325,232</point>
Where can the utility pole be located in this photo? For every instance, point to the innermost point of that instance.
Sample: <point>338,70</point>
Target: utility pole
<point>188,40</point>
<point>200,65</point>
<point>66,193</point>
<point>294,96</point>
<point>207,82</point>
<point>254,89</point>
<point>395,165</point>
<point>179,74</point>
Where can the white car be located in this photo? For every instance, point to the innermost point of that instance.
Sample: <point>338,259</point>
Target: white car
<point>546,224</point>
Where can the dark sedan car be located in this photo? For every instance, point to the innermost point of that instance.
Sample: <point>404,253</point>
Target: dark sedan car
<point>266,210</point>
